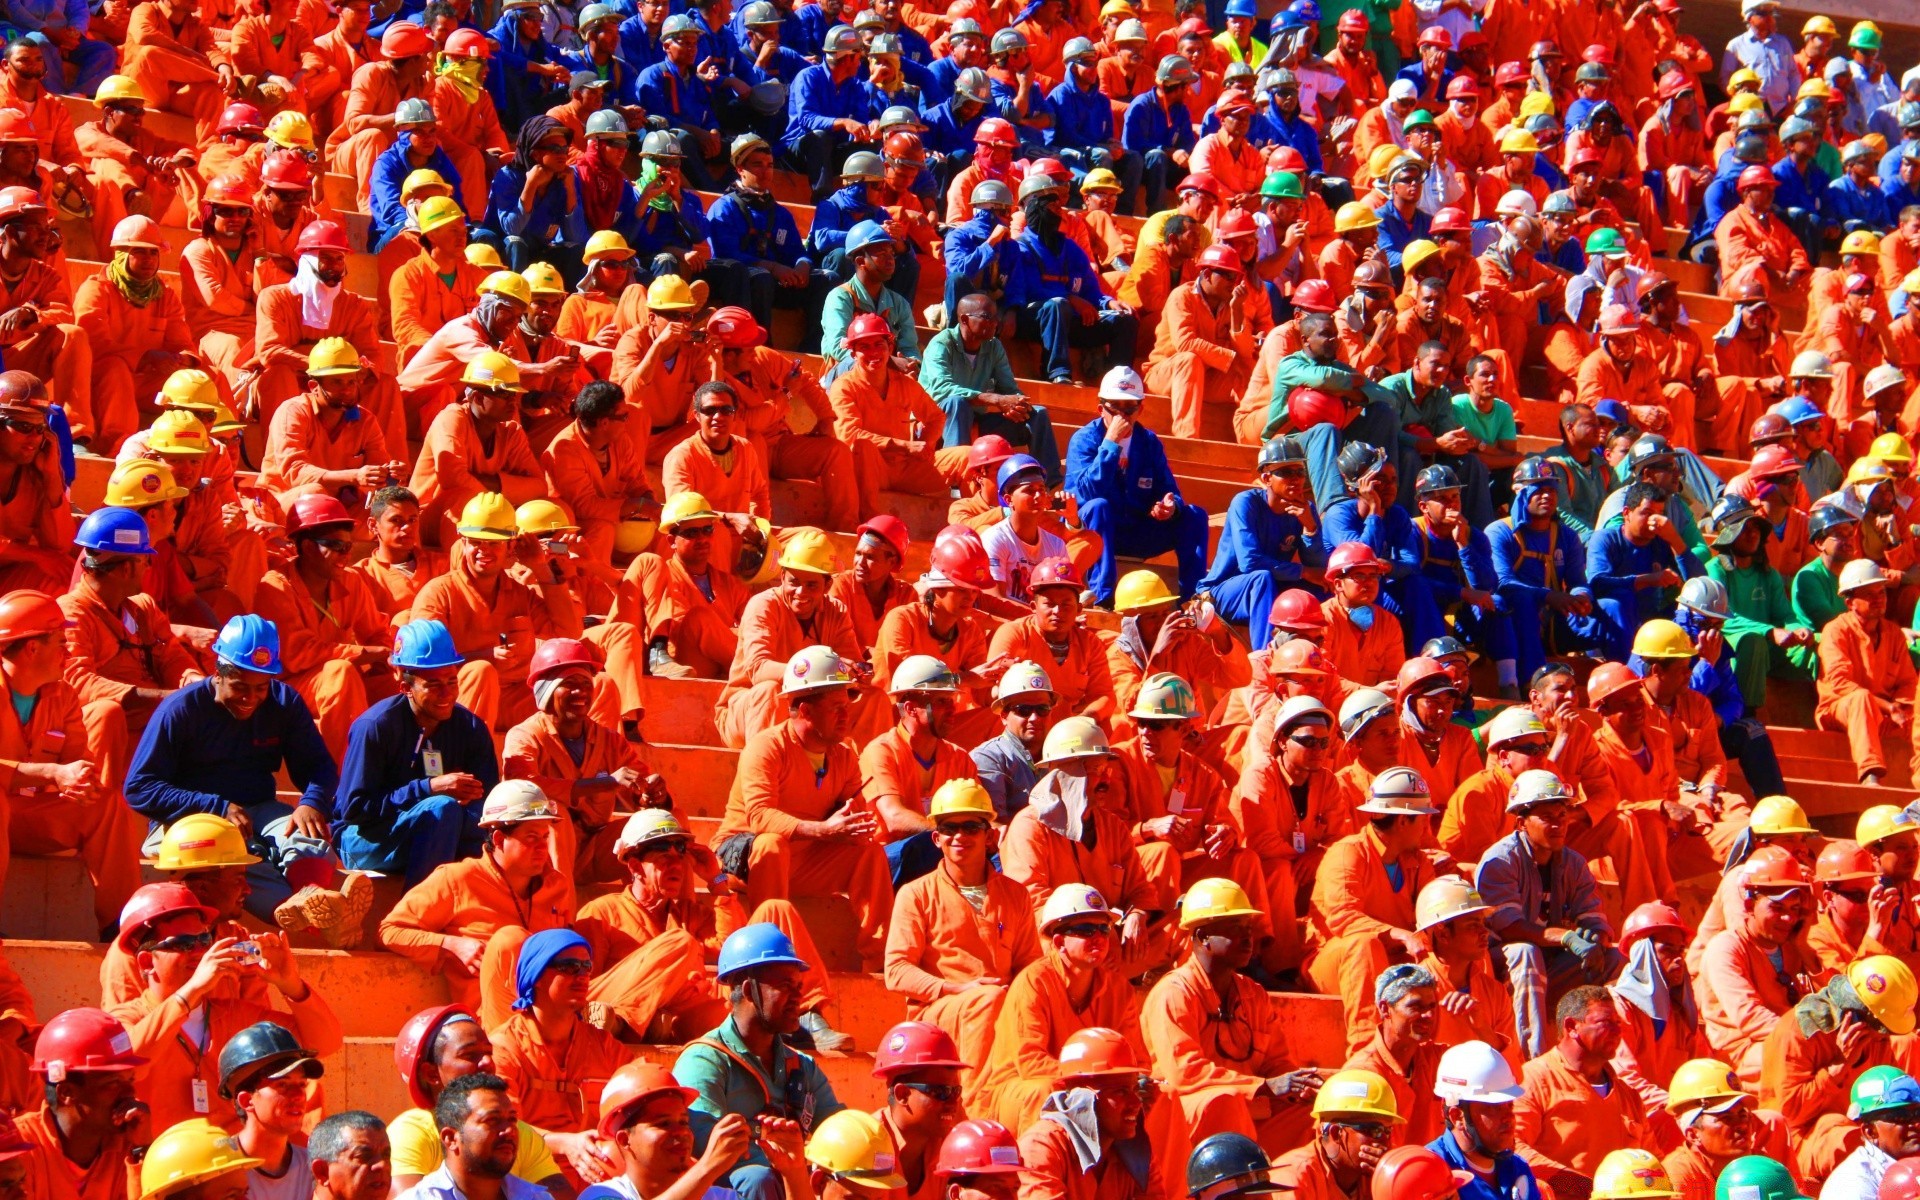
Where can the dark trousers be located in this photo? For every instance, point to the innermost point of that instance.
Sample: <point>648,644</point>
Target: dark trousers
<point>1061,331</point>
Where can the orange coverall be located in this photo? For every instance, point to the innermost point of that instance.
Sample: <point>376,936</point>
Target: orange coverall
<point>122,334</point>
<point>218,295</point>
<point>770,635</point>
<point>874,414</point>
<point>891,767</point>
<point>1288,845</point>
<point>354,143</point>
<point>1753,246</point>
<point>1742,997</point>
<point>1084,677</point>
<point>768,387</point>
<point>54,347</point>
<point>454,455</point>
<point>1052,1169</point>
<point>282,341</point>
<point>1040,859</point>
<point>1353,906</point>
<point>317,645</point>
<point>523,612</point>
<point>175,65</point>
<point>395,586</point>
<point>1412,1085</point>
<point>662,600</point>
<point>420,301</point>
<point>1197,356</point>
<point>1562,1125</point>
<point>596,493</point>
<point>1646,1059</point>
<point>1214,1054</point>
<point>1476,815</point>
<point>1797,1080</point>
<point>556,1088</point>
<point>534,750</point>
<point>1035,1021</point>
<point>1365,657</point>
<point>301,449</point>
<point>1194,790</point>
<point>51,1175</point>
<point>109,655</point>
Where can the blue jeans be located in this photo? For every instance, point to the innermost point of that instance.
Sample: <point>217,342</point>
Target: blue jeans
<point>1249,599</point>
<point>1539,631</point>
<point>437,830</point>
<point>1377,424</point>
<point>1184,533</point>
<point>1061,331</point>
<point>1157,168</point>
<point>275,844</point>
<point>819,155</point>
<point>1034,436</point>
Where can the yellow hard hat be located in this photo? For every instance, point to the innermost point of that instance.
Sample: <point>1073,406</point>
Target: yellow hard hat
<point>1814,87</point>
<point>1519,141</point>
<point>1361,1093</point>
<point>480,254</point>
<point>1100,179</point>
<point>1381,160</point>
<point>493,370</point>
<point>956,797</point>
<point>333,356</point>
<point>1860,241</point>
<point>1418,251</point>
<point>1881,822</point>
<point>1661,638</point>
<point>437,212</point>
<point>426,179</point>
<point>1910,283</point>
<point>807,549</point>
<point>225,422</point>
<point>685,506</point>
<point>1214,899</point>
<point>510,284</point>
<point>1536,104</point>
<point>1355,215</point>
<point>1745,102</point>
<point>670,293</point>
<point>607,244</point>
<point>1446,898</point>
<point>1702,1081</point>
<point>189,388</point>
<point>119,89</point>
<point>1778,815</point>
<point>1075,737</point>
<point>191,1152</point>
<point>1141,589</point>
<point>1744,77</point>
<point>178,433</point>
<point>290,129</point>
<point>202,841</point>
<point>142,483</point>
<point>770,561</point>
<point>852,1147</point>
<point>634,535</point>
<point>1117,8</point>
<point>1819,25</point>
<point>1868,469</point>
<point>1890,448</point>
<point>543,279</point>
<point>1633,1174</point>
<point>489,517</point>
<point>1165,696</point>
<point>543,517</point>
<point>1885,985</point>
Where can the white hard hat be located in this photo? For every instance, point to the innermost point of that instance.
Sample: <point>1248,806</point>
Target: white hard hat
<point>1123,383</point>
<point>648,825</point>
<point>1475,1073</point>
<point>1071,900</point>
<point>1861,572</point>
<point>1810,364</point>
<point>922,673</point>
<point>1298,709</point>
<point>515,802</point>
<point>1537,787</point>
<point>1512,724</point>
<point>1362,709</point>
<point>1517,202</point>
<point>1398,792</point>
<point>1445,898</point>
<point>1023,679</point>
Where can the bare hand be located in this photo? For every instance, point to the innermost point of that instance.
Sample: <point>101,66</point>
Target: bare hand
<point>458,784</point>
<point>463,954</point>
<point>593,1158</point>
<point>307,821</point>
<point>849,824</point>
<point>1164,509</point>
<point>79,782</point>
<point>728,1142</point>
<point>241,821</point>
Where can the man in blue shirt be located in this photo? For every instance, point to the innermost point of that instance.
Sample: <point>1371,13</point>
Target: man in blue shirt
<point>677,90</point>
<point>1477,1090</point>
<point>1294,131</point>
<point>1433,70</point>
<point>1057,293</point>
<point>599,52</point>
<point>525,77</point>
<point>1118,473</point>
<point>76,64</point>
<point>1371,513</point>
<point>952,124</point>
<point>979,252</point>
<point>1541,566</point>
<point>966,47</point>
<point>1082,135</point>
<point>640,34</point>
<point>1159,128</point>
<point>1801,197</point>
<point>829,111</point>
<point>418,765</point>
<point>1909,121</point>
<point>415,148</point>
<point>1019,92</point>
<point>1456,560</point>
<point>1401,221</point>
<point>215,746</point>
<point>764,54</point>
<point>1272,532</point>
<point>1855,200</point>
<point>1637,566</point>
<point>1903,188</point>
<point>1765,50</point>
<point>748,226</point>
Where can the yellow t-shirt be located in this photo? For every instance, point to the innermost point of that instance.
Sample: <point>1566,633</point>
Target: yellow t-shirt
<point>416,1148</point>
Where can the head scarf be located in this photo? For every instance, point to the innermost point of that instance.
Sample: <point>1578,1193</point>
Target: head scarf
<point>536,955</point>
<point>136,293</point>
<point>1647,988</point>
<point>532,134</point>
<point>486,310</point>
<point>465,74</point>
<point>316,298</point>
<point>602,185</point>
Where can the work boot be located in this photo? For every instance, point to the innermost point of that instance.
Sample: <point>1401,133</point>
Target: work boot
<point>660,664</point>
<point>356,898</point>
<point>311,907</point>
<point>828,1042</point>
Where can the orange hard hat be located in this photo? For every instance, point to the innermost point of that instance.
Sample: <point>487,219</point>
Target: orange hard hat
<point>1902,1180</point>
<point>1096,1051</point>
<point>1314,295</point>
<point>1416,1173</point>
<point>1650,918</point>
<point>904,145</point>
<point>83,1039</point>
<point>27,614</point>
<point>867,325</point>
<point>405,39</point>
<point>1219,258</point>
<point>1298,657</point>
<point>321,235</point>
<point>556,656</point>
<point>16,126</point>
<point>467,43</point>
<point>241,118</point>
<point>230,191</point>
<point>1843,859</point>
<point>912,1045</point>
<point>630,1087</point>
<point>1352,556</point>
<point>1421,675</point>
<point>1608,678</point>
<point>311,512</point>
<point>1774,868</point>
<point>733,328</point>
<point>963,564</point>
<point>988,450</point>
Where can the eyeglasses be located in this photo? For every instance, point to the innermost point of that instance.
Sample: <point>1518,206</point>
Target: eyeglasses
<point>337,545</point>
<point>694,531</point>
<point>1533,748</point>
<point>30,428</point>
<point>664,846</point>
<point>718,410</point>
<point>231,211</point>
<point>572,966</point>
<point>1085,929</point>
<point>183,943</point>
<point>960,828</point>
<point>944,1093</point>
<point>1311,743</point>
<point>1373,1131</point>
<point>1030,710</point>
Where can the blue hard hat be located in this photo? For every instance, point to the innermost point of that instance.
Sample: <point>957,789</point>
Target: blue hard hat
<point>1287,21</point>
<point>1242,8</point>
<point>1308,9</point>
<point>1613,412</point>
<point>249,643</point>
<point>1019,464</point>
<point>424,645</point>
<point>114,531</point>
<point>1798,410</point>
<point>758,945</point>
<point>866,233</point>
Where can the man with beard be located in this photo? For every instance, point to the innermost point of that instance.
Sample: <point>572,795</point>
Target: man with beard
<point>1745,994</point>
<point>480,1131</point>
<point>131,169</point>
<point>1573,1109</point>
<point>37,326</point>
<point>748,1067</point>
<point>91,1123</point>
<point>1406,1003</point>
<point>321,442</point>
<point>1089,1138</point>
<point>645,1113</point>
<point>1477,1093</point>
<point>907,764</point>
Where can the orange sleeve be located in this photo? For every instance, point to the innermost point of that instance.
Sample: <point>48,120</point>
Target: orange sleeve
<point>909,936</point>
<point>445,444</point>
<point>1023,857</point>
<point>569,480</point>
<point>408,307</point>
<point>1047,1162</point>
<point>276,329</point>
<point>881,769</point>
<point>1167,1021</point>
<point>760,789</point>
<point>521,757</point>
<point>413,927</point>
<point>1530,1124</point>
<point>1744,1011</point>
<point>1340,890</point>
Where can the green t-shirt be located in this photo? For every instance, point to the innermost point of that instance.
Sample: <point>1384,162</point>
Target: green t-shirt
<point>1492,428</point>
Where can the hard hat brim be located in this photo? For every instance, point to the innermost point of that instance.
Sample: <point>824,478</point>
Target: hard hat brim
<point>1046,930</point>
<point>772,960</point>
<point>1070,756</point>
<point>480,533</point>
<point>1225,914</point>
<point>1470,910</point>
<point>1380,810</point>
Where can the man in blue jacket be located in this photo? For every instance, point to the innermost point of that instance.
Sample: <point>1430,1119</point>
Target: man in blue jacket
<point>1159,128</point>
<point>1272,532</point>
<point>1637,565</point>
<point>838,214</point>
<point>748,226</point>
<point>1541,566</point>
<point>525,78</point>
<point>1118,473</point>
<point>678,90</point>
<point>1371,513</point>
<point>215,747</point>
<point>1456,560</point>
<point>1082,135</point>
<point>418,764</point>
<point>1056,292</point>
<point>829,111</point>
<point>416,147</point>
<point>979,251</point>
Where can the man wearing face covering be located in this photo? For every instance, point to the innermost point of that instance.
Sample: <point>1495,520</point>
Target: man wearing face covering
<point>431,380</point>
<point>291,319</point>
<point>1056,293</point>
<point>1660,1026</point>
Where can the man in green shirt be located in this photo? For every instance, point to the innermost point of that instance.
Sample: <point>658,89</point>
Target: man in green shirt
<point>1761,626</point>
<point>871,251</point>
<point>1589,475</point>
<point>1431,433</point>
<point>1372,419</point>
<point>967,373</point>
<point>1815,592</point>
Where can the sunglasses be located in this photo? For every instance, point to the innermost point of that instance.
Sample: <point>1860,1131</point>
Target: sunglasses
<point>1373,1131</point>
<point>1030,710</point>
<point>944,1093</point>
<point>1085,929</point>
<point>572,966</point>
<point>1533,748</point>
<point>1311,743</point>
<point>719,410</point>
<point>337,545</point>
<point>665,846</point>
<point>32,428</point>
<point>959,828</point>
<point>550,148</point>
<point>694,531</point>
<point>184,943</point>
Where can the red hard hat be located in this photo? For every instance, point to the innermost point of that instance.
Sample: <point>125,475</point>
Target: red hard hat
<point>1435,35</point>
<point>1219,258</point>
<point>1200,183</point>
<point>231,191</point>
<point>152,902</point>
<point>1842,859</point>
<point>733,328</point>
<point>1353,21</point>
<point>1757,176</point>
<point>415,1036</point>
<point>1597,53</point>
<point>1768,427</point>
<point>288,171</point>
<point>632,1085</point>
<point>1055,572</point>
<point>404,39</point>
<point>1416,1173</point>
<point>1297,610</point>
<point>18,202</point>
<point>1307,407</point>
<point>989,450</point>
<point>1511,72</point>
<point>1649,919</point>
<point>963,563</point>
<point>1314,295</point>
<point>467,43</point>
<point>978,1148</point>
<point>1608,678</point>
<point>29,614</point>
<point>867,325</point>
<point>1774,867</point>
<point>1463,88</point>
<point>1902,1180</point>
<point>1420,675</point>
<point>1351,556</point>
<point>1773,461</point>
<point>322,235</point>
<point>890,529</point>
<point>1096,1050</point>
<point>1451,220</point>
<point>556,655</point>
<point>16,126</point>
<point>1674,83</point>
<point>83,1039</point>
<point>1236,223</point>
<point>911,1045</point>
<point>1286,158</point>
<point>241,118</point>
<point>1587,156</point>
<point>310,512</point>
<point>995,131</point>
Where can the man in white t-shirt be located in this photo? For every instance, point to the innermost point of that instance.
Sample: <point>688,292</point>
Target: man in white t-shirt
<point>269,1077</point>
<point>1018,542</point>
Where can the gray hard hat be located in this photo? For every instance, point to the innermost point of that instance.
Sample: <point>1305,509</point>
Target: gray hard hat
<point>862,164</point>
<point>1034,185</point>
<point>593,14</point>
<point>1009,39</point>
<point>660,144</point>
<point>413,111</point>
<point>608,124</point>
<point>899,116</point>
<point>973,84</point>
<point>1175,68</point>
<point>842,39</point>
<point>760,13</point>
<point>867,17</point>
<point>678,25</point>
<point>966,27</point>
<point>886,43</point>
<point>1078,48</point>
<point>990,193</point>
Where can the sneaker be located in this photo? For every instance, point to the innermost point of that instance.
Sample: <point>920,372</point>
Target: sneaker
<point>828,1042</point>
<point>311,907</point>
<point>660,665</point>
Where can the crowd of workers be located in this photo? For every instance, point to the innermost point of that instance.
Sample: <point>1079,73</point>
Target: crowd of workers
<point>439,403</point>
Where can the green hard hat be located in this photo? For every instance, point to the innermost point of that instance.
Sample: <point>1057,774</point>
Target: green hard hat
<point>1864,37</point>
<point>1756,1177</point>
<point>1606,241</point>
<point>1418,116</point>
<point>1283,185</point>
<point>1879,1089</point>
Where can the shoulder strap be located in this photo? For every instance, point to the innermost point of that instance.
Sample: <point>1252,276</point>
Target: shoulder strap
<point>752,1068</point>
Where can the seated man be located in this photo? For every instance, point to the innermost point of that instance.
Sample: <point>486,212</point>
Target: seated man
<point>1362,640</point>
<point>136,345</point>
<point>1117,470</point>
<point>1573,1109</point>
<point>1453,917</point>
<point>1006,765</point>
<point>597,469</point>
<point>1053,1154</point>
<point>321,441</point>
<point>1540,563</point>
<point>466,920</point>
<point>51,346</point>
<point>398,565</point>
<point>1476,815</point>
<point>216,747</point>
<point>683,606</point>
<point>132,169</point>
<point>1370,515</point>
<point>415,765</point>
<point>1443,753</point>
<point>1176,798</point>
<point>790,824</point>
<point>1405,1000</point>
<point>475,446</point>
<point>545,1049</point>
<point>1744,994</point>
<point>1354,1121</point>
<point>1272,534</point>
<point>1636,565</point>
<point>1157,636</point>
<point>913,761</point>
<point>1866,679</point>
<point>89,1105</point>
<point>871,251</point>
<point>978,252</point>
<point>1204,344</point>
<point>1432,432</point>
<point>719,463</point>
<point>967,373</point>
<point>1056,296</point>
<point>885,417</point>
<point>777,624</point>
<point>1456,560</point>
<point>1080,673</point>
